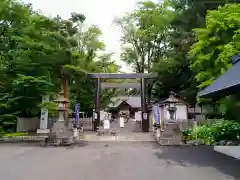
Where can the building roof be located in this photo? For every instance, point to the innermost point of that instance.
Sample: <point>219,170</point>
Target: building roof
<point>133,101</point>
<point>227,83</point>
<point>172,99</point>
<point>166,101</point>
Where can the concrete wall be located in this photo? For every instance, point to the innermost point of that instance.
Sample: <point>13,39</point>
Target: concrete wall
<point>27,124</point>
<point>32,124</point>
<point>200,110</point>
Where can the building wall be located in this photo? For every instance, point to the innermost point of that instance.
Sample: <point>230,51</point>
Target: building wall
<point>181,112</point>
<point>200,110</point>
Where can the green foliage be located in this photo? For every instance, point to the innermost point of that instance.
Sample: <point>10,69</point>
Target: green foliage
<point>229,107</point>
<point>157,38</point>
<point>1,131</point>
<point>37,53</point>
<point>188,43</point>
<point>15,134</point>
<point>226,130</point>
<point>221,130</point>
<point>51,107</point>
<point>216,43</point>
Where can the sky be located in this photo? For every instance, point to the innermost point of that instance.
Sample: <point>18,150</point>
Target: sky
<point>97,12</point>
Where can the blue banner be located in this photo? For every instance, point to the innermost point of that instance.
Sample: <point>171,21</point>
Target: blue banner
<point>156,114</point>
<point>77,108</point>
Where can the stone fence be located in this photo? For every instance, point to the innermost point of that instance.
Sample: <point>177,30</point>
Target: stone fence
<point>27,124</point>
<point>32,124</point>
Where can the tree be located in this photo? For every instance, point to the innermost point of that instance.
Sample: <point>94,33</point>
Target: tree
<point>37,54</point>
<point>211,55</point>
<point>143,40</point>
<point>216,44</point>
<point>173,69</point>
<point>143,35</point>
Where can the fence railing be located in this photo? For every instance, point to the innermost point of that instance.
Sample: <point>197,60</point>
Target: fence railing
<point>87,123</point>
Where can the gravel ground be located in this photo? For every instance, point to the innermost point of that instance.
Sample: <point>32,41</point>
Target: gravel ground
<point>115,161</point>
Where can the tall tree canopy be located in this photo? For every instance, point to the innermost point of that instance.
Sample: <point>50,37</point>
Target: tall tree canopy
<point>37,53</point>
<point>216,43</point>
<point>188,43</point>
<point>157,38</point>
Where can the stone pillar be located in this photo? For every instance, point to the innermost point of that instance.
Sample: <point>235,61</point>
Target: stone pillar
<point>145,119</point>
<point>43,129</point>
<point>97,105</point>
<point>158,133</point>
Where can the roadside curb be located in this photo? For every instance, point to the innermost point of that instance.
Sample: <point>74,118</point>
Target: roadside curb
<point>22,139</point>
<point>127,141</point>
<point>232,151</point>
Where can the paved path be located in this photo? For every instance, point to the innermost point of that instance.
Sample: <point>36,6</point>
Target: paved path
<point>129,137</point>
<point>115,161</point>
<point>129,127</point>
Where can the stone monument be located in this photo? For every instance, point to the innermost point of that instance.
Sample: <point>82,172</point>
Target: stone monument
<point>43,129</point>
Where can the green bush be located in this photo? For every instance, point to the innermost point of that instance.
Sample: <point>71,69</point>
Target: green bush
<point>203,133</point>
<point>225,130</point>
<point>187,135</point>
<point>1,131</point>
<point>220,130</point>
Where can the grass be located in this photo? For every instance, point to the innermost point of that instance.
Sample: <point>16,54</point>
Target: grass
<point>15,134</point>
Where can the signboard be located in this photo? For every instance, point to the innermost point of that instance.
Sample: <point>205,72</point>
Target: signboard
<point>77,108</point>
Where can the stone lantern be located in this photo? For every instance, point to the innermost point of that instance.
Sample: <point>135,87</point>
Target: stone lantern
<point>171,106</point>
<point>59,129</point>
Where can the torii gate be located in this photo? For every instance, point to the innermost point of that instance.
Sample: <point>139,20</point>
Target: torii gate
<point>142,86</point>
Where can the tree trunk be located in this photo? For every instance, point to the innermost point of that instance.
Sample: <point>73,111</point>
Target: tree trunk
<point>65,90</point>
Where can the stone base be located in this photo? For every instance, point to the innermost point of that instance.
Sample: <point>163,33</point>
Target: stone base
<point>60,135</point>
<point>43,131</point>
<point>61,131</point>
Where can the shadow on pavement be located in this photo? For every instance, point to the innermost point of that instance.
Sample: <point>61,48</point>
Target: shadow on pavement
<point>203,156</point>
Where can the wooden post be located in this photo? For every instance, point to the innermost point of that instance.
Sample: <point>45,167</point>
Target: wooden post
<point>145,119</point>
<point>97,105</point>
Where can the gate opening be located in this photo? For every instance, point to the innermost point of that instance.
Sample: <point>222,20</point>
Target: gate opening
<point>142,85</point>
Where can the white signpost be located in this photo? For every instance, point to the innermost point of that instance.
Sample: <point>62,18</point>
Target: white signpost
<point>106,121</point>
<point>138,116</point>
<point>44,117</point>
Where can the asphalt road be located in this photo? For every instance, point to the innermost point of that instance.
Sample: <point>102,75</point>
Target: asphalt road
<point>115,161</point>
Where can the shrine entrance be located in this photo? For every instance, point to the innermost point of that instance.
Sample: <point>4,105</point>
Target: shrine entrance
<point>142,85</point>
